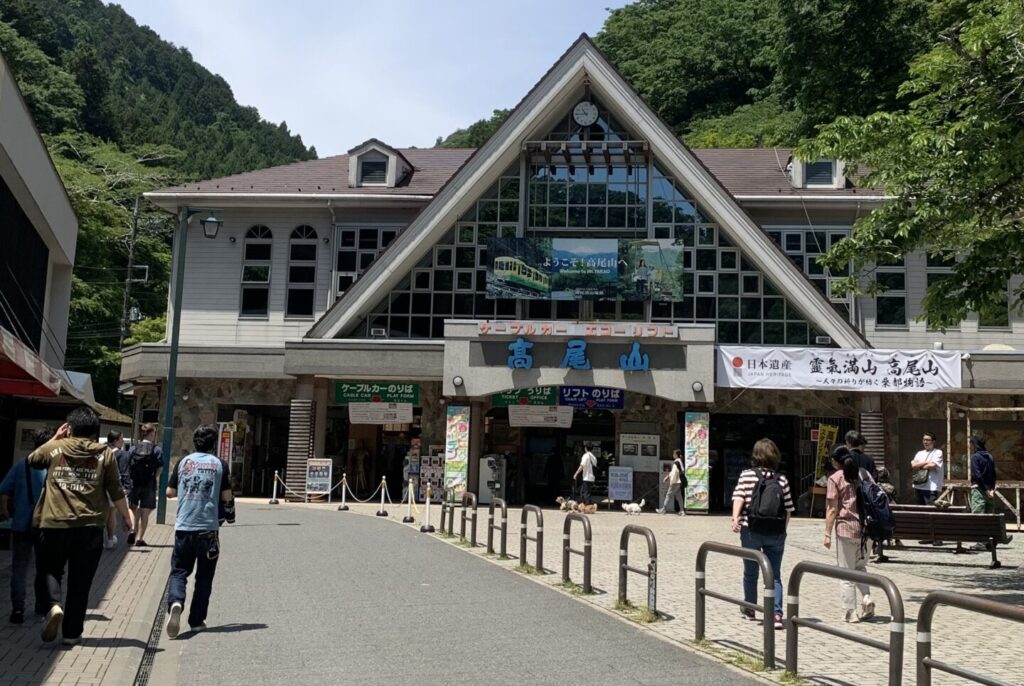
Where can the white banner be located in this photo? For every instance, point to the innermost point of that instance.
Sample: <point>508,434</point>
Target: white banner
<point>380,413</point>
<point>540,415</point>
<point>871,371</point>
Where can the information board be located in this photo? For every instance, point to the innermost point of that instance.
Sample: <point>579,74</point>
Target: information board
<point>380,413</point>
<point>620,483</point>
<point>639,451</point>
<point>539,395</point>
<point>591,397</point>
<point>318,477</point>
<point>540,415</point>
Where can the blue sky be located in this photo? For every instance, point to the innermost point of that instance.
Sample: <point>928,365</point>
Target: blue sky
<point>403,71</point>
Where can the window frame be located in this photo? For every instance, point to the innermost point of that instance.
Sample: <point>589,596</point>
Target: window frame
<point>258,234</point>
<point>362,172</point>
<point>304,234</point>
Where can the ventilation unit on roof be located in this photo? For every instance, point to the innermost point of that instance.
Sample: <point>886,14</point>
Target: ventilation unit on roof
<point>378,332</point>
<point>823,340</point>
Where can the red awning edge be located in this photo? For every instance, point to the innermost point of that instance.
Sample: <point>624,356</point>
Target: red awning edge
<point>22,372</point>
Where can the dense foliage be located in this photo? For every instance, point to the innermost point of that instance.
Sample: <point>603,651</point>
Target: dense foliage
<point>124,112</point>
<point>954,162</point>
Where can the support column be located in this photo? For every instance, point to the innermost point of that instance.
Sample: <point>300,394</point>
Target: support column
<point>320,395</point>
<point>476,445</point>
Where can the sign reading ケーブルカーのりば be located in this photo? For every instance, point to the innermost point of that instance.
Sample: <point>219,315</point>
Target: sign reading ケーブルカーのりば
<point>376,392</point>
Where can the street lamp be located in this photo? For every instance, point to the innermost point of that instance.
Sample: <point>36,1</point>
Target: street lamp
<point>211,225</point>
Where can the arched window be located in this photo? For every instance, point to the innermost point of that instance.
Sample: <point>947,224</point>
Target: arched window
<point>256,271</point>
<point>301,272</point>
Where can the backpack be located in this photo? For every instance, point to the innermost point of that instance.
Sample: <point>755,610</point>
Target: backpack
<point>876,516</point>
<point>123,469</point>
<point>683,482</point>
<point>767,511</point>
<point>142,463</point>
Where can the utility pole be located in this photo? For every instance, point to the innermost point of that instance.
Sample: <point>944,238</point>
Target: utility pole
<point>129,277</point>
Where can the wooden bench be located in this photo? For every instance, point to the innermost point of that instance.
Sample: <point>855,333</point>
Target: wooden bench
<point>899,507</point>
<point>933,524</point>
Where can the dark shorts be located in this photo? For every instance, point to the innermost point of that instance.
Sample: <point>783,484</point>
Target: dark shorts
<point>143,496</point>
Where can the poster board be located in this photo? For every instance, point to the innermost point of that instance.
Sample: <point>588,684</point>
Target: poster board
<point>431,473</point>
<point>696,453</point>
<point>540,415</point>
<point>620,483</point>
<point>456,450</point>
<point>318,477</point>
<point>639,451</point>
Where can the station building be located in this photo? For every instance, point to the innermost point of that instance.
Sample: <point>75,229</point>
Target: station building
<point>582,278</point>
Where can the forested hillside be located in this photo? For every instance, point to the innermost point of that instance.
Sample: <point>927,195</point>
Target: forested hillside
<point>749,73</point>
<point>124,112</point>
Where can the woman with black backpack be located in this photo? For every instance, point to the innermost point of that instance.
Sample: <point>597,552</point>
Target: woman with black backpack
<point>761,507</point>
<point>843,515</point>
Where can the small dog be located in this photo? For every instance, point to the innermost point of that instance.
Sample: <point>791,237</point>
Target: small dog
<point>634,508</point>
<point>586,509</point>
<point>565,505</point>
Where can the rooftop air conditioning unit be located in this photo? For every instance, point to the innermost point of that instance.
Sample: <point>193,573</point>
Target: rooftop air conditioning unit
<point>823,340</point>
<point>378,332</point>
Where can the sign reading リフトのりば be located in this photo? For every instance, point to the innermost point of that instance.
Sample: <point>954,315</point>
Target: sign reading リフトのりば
<point>875,371</point>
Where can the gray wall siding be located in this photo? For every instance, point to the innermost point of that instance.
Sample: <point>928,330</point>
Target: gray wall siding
<point>213,275</point>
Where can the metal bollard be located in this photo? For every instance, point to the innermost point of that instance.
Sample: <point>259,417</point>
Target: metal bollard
<point>344,487</point>
<point>383,491</point>
<point>468,498</point>
<point>407,519</point>
<point>427,528</point>
<point>538,539</point>
<point>497,502</point>
<point>652,565</point>
<point>566,549</point>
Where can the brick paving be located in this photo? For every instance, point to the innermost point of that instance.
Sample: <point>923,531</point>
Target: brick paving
<point>117,625</point>
<point>990,646</point>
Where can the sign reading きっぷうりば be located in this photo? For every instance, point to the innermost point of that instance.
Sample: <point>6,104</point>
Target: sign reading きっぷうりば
<point>873,371</point>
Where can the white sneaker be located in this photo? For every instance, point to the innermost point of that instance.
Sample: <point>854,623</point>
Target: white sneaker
<point>851,617</point>
<point>51,625</point>
<point>109,543</point>
<point>867,608</point>
<point>199,627</point>
<point>173,621</point>
<point>660,510</point>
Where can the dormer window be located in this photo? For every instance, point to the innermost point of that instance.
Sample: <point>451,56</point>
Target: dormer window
<point>373,172</point>
<point>822,173</point>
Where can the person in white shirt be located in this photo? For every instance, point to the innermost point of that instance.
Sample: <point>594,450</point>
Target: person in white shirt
<point>588,463</point>
<point>676,482</point>
<point>930,459</point>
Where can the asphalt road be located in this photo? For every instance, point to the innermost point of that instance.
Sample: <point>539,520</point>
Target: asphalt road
<point>315,596</point>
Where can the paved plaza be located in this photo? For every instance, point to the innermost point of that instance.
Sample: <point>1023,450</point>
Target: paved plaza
<point>989,646</point>
<point>306,593</point>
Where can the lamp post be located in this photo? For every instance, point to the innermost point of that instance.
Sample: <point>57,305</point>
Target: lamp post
<point>211,225</point>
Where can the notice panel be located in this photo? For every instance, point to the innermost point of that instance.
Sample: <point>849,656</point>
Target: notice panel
<point>620,483</point>
<point>540,415</point>
<point>380,413</point>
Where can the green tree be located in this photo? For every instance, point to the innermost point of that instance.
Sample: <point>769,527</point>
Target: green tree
<point>52,94</point>
<point>762,124</point>
<point>953,161</point>
<point>476,134</point>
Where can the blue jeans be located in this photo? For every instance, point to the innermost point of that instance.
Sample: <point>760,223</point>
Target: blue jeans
<point>773,547</point>
<point>199,550</point>
<point>24,544</point>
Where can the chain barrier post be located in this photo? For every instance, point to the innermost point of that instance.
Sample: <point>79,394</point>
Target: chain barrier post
<point>407,519</point>
<point>273,498</point>
<point>427,528</point>
<point>383,489</point>
<point>344,487</point>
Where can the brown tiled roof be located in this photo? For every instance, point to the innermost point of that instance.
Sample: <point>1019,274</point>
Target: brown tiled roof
<point>762,171</point>
<point>743,171</point>
<point>431,168</point>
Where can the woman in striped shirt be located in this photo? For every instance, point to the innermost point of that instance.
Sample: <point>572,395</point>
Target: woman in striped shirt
<point>843,515</point>
<point>766,536</point>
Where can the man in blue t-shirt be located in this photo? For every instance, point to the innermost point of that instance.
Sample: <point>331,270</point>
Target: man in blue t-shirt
<point>22,487</point>
<point>200,483</point>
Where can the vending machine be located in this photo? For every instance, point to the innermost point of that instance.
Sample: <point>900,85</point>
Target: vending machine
<point>492,479</point>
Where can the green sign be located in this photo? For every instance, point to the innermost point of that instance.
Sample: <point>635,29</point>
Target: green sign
<point>541,395</point>
<point>376,392</point>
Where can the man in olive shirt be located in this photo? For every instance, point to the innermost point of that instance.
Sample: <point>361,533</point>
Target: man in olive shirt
<point>82,474</point>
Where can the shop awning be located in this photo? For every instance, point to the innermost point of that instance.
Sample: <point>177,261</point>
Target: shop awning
<point>22,372</point>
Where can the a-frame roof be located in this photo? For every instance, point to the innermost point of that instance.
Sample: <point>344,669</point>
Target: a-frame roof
<point>553,95</point>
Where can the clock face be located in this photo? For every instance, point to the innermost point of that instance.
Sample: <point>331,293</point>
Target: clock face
<point>585,113</point>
